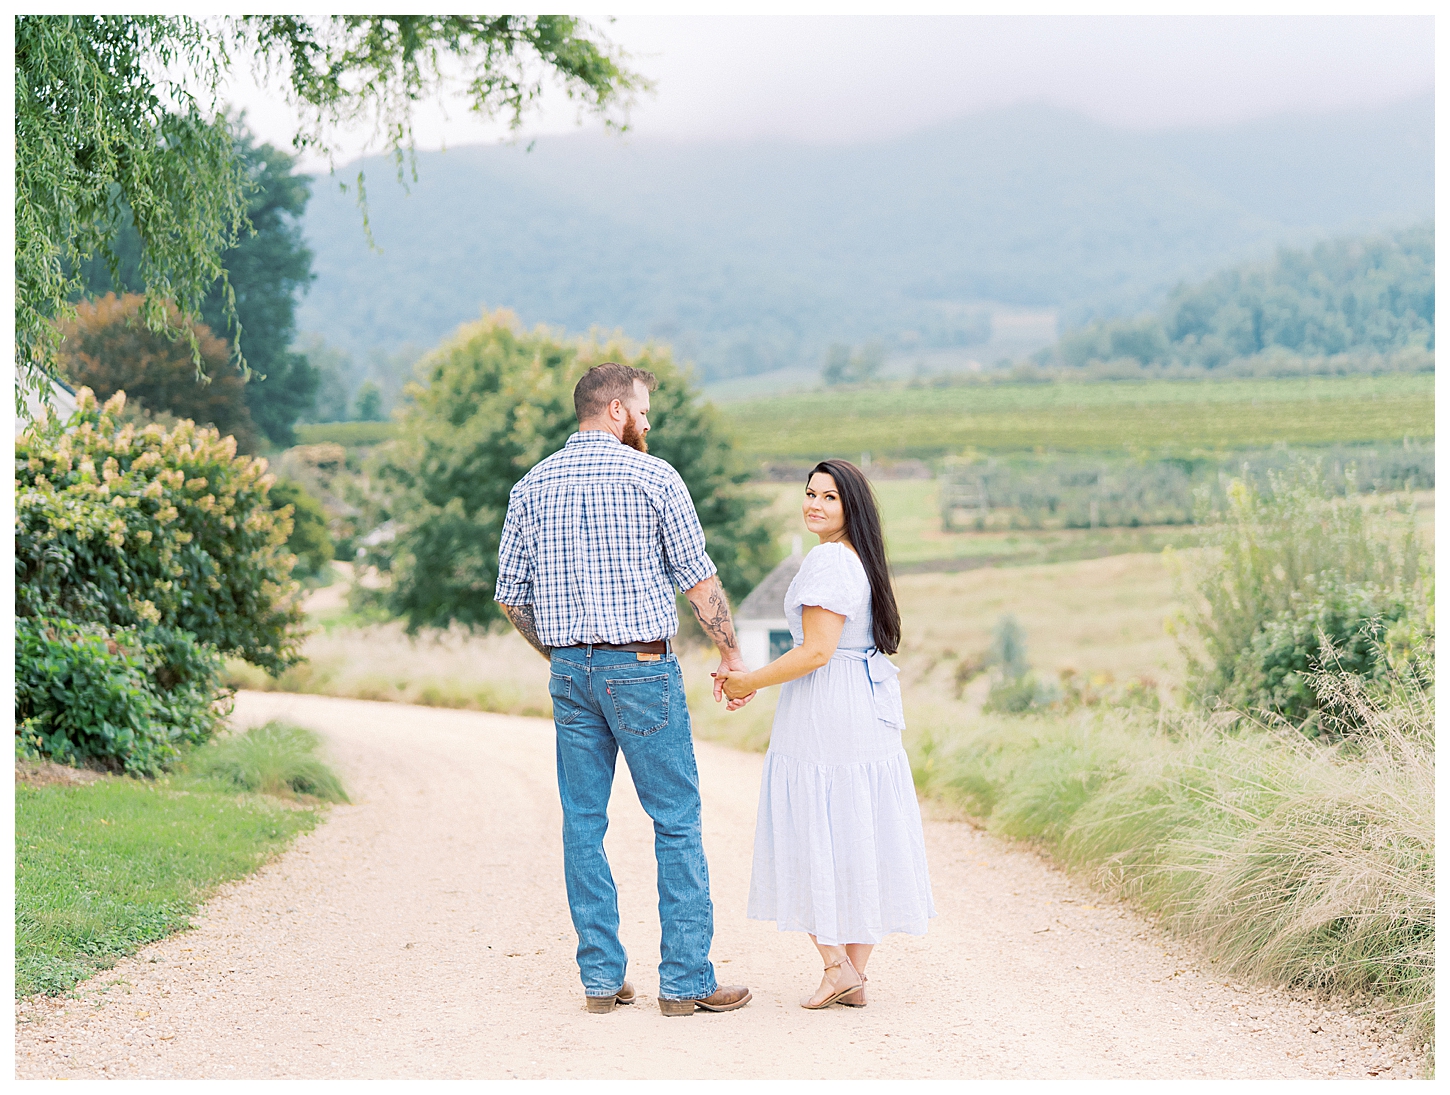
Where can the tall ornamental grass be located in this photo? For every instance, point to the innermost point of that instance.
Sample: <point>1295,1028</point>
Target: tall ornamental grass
<point>1287,860</point>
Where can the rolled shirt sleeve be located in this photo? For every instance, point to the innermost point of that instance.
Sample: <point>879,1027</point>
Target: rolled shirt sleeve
<point>682,537</point>
<point>515,584</point>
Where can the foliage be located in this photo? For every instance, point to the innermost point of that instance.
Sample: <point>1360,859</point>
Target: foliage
<point>102,870</point>
<point>1158,418</point>
<point>1283,564</point>
<point>1285,859</point>
<point>1008,651</point>
<point>847,366</point>
<point>131,698</point>
<point>494,402</point>
<point>369,405</point>
<point>108,348</point>
<point>1342,626</point>
<point>265,268</point>
<point>118,112</point>
<point>1369,293</point>
<point>310,540</point>
<point>125,527</point>
<point>275,759</point>
<point>94,129</point>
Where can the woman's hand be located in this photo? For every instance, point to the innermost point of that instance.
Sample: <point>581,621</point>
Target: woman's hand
<point>733,681</point>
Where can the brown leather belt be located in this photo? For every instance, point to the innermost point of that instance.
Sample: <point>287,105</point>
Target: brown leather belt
<point>658,646</point>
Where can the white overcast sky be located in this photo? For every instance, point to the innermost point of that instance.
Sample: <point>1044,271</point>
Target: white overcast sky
<point>850,78</point>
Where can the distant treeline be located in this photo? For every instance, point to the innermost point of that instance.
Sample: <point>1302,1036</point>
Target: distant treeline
<point>1368,298</point>
<point>1072,491</point>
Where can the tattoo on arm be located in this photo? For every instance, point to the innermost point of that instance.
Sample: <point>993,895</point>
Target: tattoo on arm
<point>713,611</point>
<point>522,617</point>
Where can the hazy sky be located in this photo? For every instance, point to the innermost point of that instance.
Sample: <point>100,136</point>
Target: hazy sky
<point>850,78</point>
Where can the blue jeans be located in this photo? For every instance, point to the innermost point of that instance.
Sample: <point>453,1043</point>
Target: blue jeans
<point>606,701</point>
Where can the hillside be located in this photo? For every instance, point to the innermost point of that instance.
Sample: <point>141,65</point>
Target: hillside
<point>750,258</point>
<point>1358,295</point>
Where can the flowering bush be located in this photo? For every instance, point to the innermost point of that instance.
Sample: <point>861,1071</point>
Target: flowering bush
<point>141,557</point>
<point>127,527</point>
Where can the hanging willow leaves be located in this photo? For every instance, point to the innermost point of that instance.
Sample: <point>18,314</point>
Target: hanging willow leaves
<point>121,112</point>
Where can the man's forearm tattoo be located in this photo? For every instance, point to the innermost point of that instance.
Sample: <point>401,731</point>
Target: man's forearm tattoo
<point>713,611</point>
<point>522,617</point>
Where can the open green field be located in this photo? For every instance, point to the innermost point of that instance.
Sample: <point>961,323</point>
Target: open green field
<point>1157,416</point>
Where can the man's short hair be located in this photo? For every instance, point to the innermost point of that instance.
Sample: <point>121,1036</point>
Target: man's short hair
<point>603,384</point>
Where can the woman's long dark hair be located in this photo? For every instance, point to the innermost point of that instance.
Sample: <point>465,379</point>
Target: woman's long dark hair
<point>863,529</point>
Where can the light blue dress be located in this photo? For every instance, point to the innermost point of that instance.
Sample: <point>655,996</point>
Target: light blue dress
<point>839,850</point>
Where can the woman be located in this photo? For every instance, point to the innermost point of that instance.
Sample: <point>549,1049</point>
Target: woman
<point>838,843</point>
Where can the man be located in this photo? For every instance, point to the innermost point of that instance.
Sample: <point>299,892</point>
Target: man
<point>594,537</point>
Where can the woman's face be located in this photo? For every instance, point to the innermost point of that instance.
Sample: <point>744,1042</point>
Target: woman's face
<point>824,514</point>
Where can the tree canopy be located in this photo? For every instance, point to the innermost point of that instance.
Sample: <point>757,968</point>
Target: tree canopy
<point>265,268</point>
<point>120,112</point>
<point>109,349</point>
<point>1368,294</point>
<point>494,402</point>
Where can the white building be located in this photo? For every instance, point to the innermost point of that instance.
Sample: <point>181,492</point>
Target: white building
<point>760,621</point>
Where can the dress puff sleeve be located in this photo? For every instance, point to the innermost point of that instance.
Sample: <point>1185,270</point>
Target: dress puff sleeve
<point>831,577</point>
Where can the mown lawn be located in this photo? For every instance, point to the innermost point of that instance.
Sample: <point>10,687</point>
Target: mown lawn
<point>104,869</point>
<point>1166,417</point>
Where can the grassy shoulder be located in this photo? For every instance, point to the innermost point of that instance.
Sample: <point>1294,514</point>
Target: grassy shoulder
<point>104,868</point>
<point>1284,859</point>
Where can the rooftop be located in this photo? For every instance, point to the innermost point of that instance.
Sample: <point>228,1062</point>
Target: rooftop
<point>767,600</point>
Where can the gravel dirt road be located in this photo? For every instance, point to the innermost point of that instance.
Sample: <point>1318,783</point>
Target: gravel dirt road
<point>422,932</point>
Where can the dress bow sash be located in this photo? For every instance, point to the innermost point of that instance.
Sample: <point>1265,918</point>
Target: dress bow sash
<point>884,686</point>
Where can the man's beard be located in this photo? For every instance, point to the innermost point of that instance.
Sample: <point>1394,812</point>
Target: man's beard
<point>632,436</point>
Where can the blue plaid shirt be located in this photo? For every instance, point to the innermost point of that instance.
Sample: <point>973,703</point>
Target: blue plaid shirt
<point>593,538</point>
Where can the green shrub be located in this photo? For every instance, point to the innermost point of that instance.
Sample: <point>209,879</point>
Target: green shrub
<point>275,759</point>
<point>1280,562</point>
<point>128,527</point>
<point>309,540</point>
<point>131,698</point>
<point>1346,624</point>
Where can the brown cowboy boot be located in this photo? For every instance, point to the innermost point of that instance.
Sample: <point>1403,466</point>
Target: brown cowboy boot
<point>599,1005</point>
<point>725,998</point>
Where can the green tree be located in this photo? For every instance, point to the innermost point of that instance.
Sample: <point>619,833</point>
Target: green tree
<point>847,366</point>
<point>120,112</point>
<point>369,405</point>
<point>494,402</point>
<point>265,269</point>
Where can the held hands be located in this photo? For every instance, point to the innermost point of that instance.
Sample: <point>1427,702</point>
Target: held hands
<point>728,683</point>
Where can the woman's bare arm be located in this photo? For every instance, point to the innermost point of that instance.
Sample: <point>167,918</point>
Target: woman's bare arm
<point>822,635</point>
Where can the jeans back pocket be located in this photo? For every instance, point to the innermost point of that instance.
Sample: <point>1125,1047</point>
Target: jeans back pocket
<point>642,704</point>
<point>561,685</point>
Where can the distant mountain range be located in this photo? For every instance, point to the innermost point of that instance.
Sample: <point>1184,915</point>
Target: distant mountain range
<point>750,258</point>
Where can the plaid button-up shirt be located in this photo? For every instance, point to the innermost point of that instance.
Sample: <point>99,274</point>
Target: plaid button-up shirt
<point>593,538</point>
